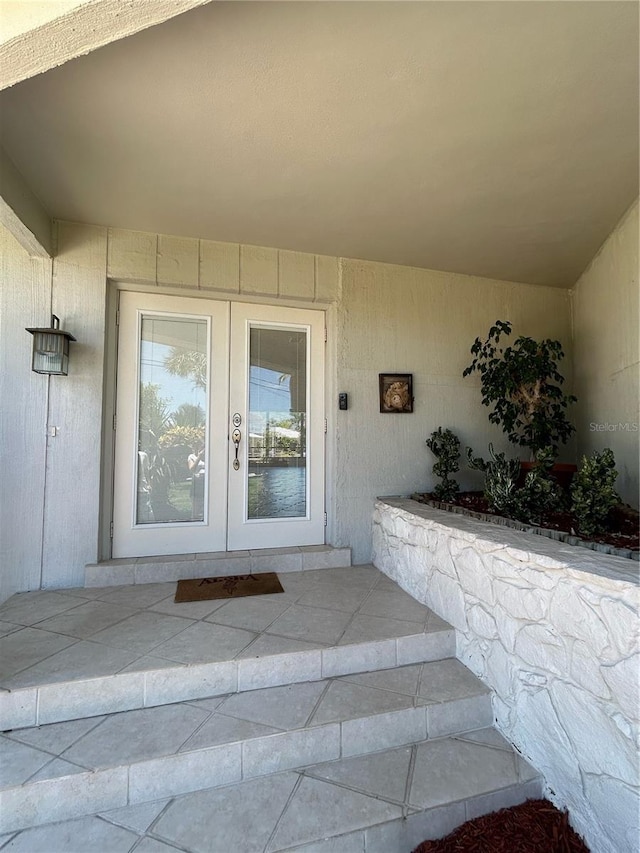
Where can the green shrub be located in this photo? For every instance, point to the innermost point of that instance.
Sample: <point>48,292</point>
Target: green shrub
<point>189,436</point>
<point>539,494</point>
<point>445,446</point>
<point>501,475</point>
<point>592,493</point>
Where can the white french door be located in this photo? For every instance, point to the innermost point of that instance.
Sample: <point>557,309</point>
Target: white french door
<point>276,395</point>
<point>220,426</point>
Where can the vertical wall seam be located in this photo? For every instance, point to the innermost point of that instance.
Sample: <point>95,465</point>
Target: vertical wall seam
<point>157,251</point>
<point>54,238</point>
<point>45,481</point>
<point>572,333</point>
<point>315,278</point>
<point>278,274</point>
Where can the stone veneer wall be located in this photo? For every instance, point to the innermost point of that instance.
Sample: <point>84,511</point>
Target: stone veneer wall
<point>553,630</point>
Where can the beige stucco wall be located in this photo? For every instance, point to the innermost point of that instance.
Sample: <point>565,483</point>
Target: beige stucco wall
<point>380,318</point>
<point>22,213</point>
<point>394,319</point>
<point>605,333</point>
<point>25,300</point>
<point>51,494</point>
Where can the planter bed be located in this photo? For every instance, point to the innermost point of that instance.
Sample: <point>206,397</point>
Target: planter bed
<point>550,533</point>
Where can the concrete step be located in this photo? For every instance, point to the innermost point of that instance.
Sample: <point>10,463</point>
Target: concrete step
<point>383,802</point>
<point>215,564</point>
<point>64,770</point>
<point>77,653</point>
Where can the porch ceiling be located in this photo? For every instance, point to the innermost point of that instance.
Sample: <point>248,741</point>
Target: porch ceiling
<point>489,138</point>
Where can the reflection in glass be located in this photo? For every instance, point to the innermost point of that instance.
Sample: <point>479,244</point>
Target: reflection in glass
<point>277,485</point>
<point>172,421</point>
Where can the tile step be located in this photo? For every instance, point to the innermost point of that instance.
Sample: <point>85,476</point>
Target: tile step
<point>383,802</point>
<point>64,770</point>
<point>89,697</point>
<point>215,564</point>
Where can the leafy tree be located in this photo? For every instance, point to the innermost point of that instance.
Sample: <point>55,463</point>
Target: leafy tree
<point>182,436</point>
<point>190,364</point>
<point>523,384</point>
<point>155,414</point>
<point>166,453</point>
<point>188,415</point>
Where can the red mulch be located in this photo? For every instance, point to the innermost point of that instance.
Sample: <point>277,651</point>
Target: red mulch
<point>536,826</point>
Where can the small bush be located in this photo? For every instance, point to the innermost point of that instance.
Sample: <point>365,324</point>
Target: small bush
<point>189,436</point>
<point>592,493</point>
<point>538,495</point>
<point>501,475</point>
<point>445,446</point>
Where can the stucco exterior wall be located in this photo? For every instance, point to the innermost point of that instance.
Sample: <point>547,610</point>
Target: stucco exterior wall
<point>394,319</point>
<point>25,300</point>
<point>72,486</point>
<point>606,353</point>
<point>382,318</point>
<point>50,500</point>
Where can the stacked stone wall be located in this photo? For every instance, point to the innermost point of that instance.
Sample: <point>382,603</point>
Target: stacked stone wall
<point>553,630</point>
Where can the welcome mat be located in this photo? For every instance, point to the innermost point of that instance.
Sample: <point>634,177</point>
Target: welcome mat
<point>235,586</point>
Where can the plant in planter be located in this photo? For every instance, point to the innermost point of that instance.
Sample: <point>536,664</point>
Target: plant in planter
<point>523,384</point>
<point>538,495</point>
<point>592,493</point>
<point>500,479</point>
<point>445,446</point>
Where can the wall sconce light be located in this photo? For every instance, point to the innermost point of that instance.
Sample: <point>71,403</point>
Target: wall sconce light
<point>51,349</point>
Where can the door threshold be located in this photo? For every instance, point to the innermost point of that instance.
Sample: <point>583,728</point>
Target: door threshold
<point>137,570</point>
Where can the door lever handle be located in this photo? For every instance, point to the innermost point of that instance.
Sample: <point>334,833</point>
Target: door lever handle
<point>236,435</point>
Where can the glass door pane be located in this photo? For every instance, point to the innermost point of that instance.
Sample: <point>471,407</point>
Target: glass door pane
<point>277,440</point>
<point>171,448</point>
<point>172,420</point>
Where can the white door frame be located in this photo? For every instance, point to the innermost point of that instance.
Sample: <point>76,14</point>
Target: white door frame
<point>152,539</point>
<point>243,533</point>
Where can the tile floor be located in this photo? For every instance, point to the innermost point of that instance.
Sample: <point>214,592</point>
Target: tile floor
<point>61,749</point>
<point>364,800</point>
<point>374,801</point>
<point>64,635</point>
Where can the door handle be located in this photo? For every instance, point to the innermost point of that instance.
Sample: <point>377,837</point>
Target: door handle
<point>236,435</point>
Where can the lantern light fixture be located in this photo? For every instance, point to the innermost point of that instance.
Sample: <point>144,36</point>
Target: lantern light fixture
<point>51,349</point>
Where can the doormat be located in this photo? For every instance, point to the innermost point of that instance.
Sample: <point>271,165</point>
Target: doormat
<point>234,586</point>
